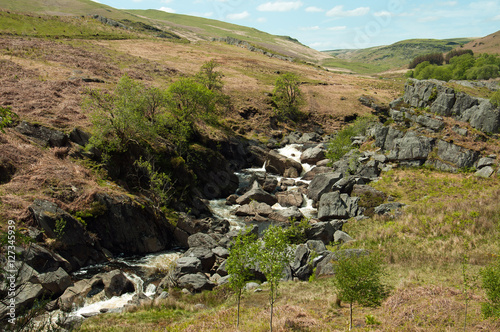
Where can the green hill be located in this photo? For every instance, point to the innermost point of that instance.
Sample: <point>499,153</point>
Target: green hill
<point>397,55</point>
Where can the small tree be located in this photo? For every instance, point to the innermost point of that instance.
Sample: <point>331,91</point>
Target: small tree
<point>490,277</point>
<point>357,279</point>
<point>273,257</point>
<point>239,264</point>
<point>6,117</point>
<point>209,77</point>
<point>287,96</point>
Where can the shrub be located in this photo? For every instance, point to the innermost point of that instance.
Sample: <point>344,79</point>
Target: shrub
<point>6,117</point>
<point>287,96</point>
<point>209,77</point>
<point>455,53</point>
<point>495,99</point>
<point>341,143</point>
<point>490,276</point>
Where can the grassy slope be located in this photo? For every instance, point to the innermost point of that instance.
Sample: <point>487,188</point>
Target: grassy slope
<point>489,44</point>
<point>397,55</point>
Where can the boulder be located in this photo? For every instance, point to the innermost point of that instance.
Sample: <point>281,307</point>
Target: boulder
<point>309,138</point>
<point>322,231</point>
<point>46,137</point>
<point>187,265</point>
<point>54,282</point>
<point>315,171</point>
<point>301,257</point>
<point>205,255</point>
<point>26,295</point>
<point>369,170</point>
<point>195,282</point>
<point>335,205</point>
<point>342,237</point>
<point>79,248</point>
<point>388,207</point>
<point>484,117</point>
<point>451,157</point>
<point>201,240</point>
<point>115,283</point>
<point>278,164</point>
<point>270,184</point>
<point>411,147</point>
<point>290,198</point>
<point>442,105</point>
<point>221,252</point>
<point>485,161</point>
<point>462,103</point>
<point>316,246</point>
<point>326,266</point>
<point>257,194</point>
<point>42,259</point>
<point>430,123</point>
<point>254,208</point>
<point>321,184</point>
<point>286,215</point>
<point>313,155</point>
<point>485,172</point>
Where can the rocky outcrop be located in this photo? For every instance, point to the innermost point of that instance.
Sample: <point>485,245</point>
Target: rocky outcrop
<point>322,184</point>
<point>480,113</point>
<point>46,137</point>
<point>335,205</point>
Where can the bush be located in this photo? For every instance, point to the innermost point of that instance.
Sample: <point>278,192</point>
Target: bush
<point>287,96</point>
<point>490,276</point>
<point>455,53</point>
<point>495,99</point>
<point>342,144</point>
<point>6,117</point>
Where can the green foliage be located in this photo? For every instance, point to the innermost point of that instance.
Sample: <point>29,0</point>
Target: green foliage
<point>160,185</point>
<point>341,143</point>
<point>296,233</point>
<point>371,320</point>
<point>273,257</point>
<point>6,118</point>
<point>191,100</point>
<point>209,77</point>
<point>239,263</point>
<point>357,279</point>
<point>433,58</point>
<point>495,99</point>
<point>287,96</point>
<point>457,52</point>
<point>132,114</point>
<point>60,228</point>
<point>490,277</point>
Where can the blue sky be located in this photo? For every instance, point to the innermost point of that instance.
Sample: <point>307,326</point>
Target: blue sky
<point>325,25</point>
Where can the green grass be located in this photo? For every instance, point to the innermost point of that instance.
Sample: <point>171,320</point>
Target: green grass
<point>58,27</point>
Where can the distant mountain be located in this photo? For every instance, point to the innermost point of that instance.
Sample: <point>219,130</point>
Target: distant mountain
<point>155,21</point>
<point>397,55</point>
<point>489,44</point>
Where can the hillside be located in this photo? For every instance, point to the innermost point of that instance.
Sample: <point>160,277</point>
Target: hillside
<point>489,44</point>
<point>382,58</point>
<point>116,149</point>
<point>189,27</point>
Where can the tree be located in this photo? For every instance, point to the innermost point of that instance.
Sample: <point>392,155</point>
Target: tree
<point>357,279</point>
<point>209,77</point>
<point>191,100</point>
<point>287,96</point>
<point>490,277</point>
<point>239,264</point>
<point>273,257</point>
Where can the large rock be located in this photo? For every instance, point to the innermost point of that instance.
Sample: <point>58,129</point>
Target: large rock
<point>315,171</point>
<point>116,283</point>
<point>129,225</point>
<point>205,255</point>
<point>46,137</point>
<point>26,295</point>
<point>443,105</point>
<point>42,259</point>
<point>254,208</point>
<point>451,157</point>
<point>321,184</point>
<point>257,194</point>
<point>484,117</point>
<point>312,155</point>
<point>54,282</point>
<point>335,205</point>
<point>279,164</point>
<point>430,123</point>
<point>202,240</point>
<point>326,265</point>
<point>462,103</point>
<point>411,147</point>
<point>286,215</point>
<point>195,282</point>
<point>79,247</point>
<point>290,198</point>
<point>323,231</point>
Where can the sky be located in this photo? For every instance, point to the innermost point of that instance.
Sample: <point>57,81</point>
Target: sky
<point>340,24</point>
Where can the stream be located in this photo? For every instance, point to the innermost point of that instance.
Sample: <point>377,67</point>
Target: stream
<point>142,270</point>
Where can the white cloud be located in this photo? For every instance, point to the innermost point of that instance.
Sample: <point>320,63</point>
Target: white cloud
<point>167,9</point>
<point>262,20</point>
<point>339,28</point>
<point>238,16</point>
<point>279,6</point>
<point>314,28</point>
<point>382,13</point>
<point>166,1</point>
<point>314,10</point>
<point>338,11</point>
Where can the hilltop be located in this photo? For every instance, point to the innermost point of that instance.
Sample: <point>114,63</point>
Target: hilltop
<point>489,44</point>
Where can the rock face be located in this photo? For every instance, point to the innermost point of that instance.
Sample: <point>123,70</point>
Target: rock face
<point>480,113</point>
<point>322,183</point>
<point>411,147</point>
<point>335,205</point>
<point>44,136</point>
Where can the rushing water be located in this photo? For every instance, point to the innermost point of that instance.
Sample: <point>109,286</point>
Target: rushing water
<point>138,269</point>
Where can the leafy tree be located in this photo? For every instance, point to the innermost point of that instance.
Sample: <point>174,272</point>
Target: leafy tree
<point>191,100</point>
<point>490,277</point>
<point>457,52</point>
<point>460,65</point>
<point>357,279</point>
<point>209,77</point>
<point>239,263</point>
<point>273,257</point>
<point>160,185</point>
<point>432,58</point>
<point>287,96</point>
